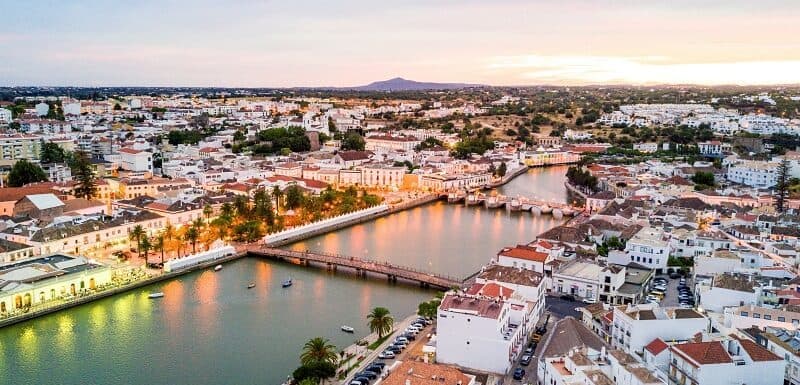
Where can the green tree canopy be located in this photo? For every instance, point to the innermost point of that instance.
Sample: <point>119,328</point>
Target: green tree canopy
<point>380,321</point>
<point>24,172</point>
<point>353,141</point>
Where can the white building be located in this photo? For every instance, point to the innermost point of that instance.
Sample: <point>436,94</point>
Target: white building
<point>728,290</point>
<point>486,331</point>
<point>635,326</point>
<point>753,173</point>
<point>646,147</point>
<point>135,160</point>
<point>42,109</point>
<point>649,247</point>
<point>725,362</point>
<point>5,116</point>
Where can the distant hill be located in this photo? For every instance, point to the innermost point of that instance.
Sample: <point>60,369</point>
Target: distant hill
<point>400,84</point>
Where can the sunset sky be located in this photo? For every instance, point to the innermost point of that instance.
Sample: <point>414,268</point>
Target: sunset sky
<point>346,43</point>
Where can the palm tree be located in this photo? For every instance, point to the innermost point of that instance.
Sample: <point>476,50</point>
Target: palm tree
<point>145,246</point>
<point>277,194</point>
<point>318,350</point>
<point>191,235</point>
<point>136,234</point>
<point>159,245</point>
<point>380,321</point>
<point>207,211</point>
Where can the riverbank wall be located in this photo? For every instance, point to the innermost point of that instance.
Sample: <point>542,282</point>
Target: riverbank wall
<point>509,177</point>
<point>575,190</point>
<point>359,217</point>
<point>44,310</point>
<point>304,232</point>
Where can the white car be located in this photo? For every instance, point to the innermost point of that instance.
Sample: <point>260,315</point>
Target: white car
<point>386,355</point>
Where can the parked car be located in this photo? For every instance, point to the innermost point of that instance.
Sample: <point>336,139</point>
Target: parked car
<point>526,360</point>
<point>354,382</point>
<point>519,373</point>
<point>675,275</point>
<point>388,354</point>
<point>568,297</point>
<point>362,379</point>
<point>529,350</point>
<point>409,336</point>
<point>368,374</point>
<point>589,300</point>
<point>380,365</point>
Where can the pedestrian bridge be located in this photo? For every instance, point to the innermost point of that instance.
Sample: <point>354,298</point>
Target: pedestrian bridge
<point>361,266</point>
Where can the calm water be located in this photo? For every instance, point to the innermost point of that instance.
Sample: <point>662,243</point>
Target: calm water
<point>210,329</point>
<point>448,238</point>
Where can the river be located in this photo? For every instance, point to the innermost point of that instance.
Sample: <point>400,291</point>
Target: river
<point>210,329</point>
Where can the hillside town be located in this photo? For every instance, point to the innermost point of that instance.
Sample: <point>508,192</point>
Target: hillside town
<point>676,261</point>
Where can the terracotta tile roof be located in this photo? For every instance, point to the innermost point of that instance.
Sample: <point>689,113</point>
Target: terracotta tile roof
<point>756,351</point>
<point>704,353</point>
<point>129,150</point>
<point>490,289</point>
<point>420,373</point>
<point>13,194</point>
<point>523,252</point>
<point>656,346</point>
<point>480,307</point>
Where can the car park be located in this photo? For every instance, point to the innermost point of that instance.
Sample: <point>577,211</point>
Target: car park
<point>519,373</point>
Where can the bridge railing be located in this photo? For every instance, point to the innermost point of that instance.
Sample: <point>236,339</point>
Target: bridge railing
<point>368,261</point>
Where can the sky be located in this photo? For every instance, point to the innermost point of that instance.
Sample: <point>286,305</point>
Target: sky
<point>293,43</point>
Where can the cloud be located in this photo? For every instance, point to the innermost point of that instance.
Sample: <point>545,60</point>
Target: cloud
<point>642,70</point>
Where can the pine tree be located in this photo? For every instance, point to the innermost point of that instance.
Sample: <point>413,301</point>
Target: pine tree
<point>84,175</point>
<point>24,172</point>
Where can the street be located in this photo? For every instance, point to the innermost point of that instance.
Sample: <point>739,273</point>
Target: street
<point>557,308</point>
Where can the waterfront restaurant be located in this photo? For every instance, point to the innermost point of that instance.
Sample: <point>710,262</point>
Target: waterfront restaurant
<point>48,278</point>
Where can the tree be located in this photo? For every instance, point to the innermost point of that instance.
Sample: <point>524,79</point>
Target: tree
<point>501,170</point>
<point>380,321</point>
<point>117,107</point>
<point>136,235</point>
<point>353,141</point>
<point>277,194</point>
<point>318,350</point>
<point>145,246</point>
<point>83,173</point>
<point>262,207</point>
<point>159,245</point>
<point>52,153</point>
<point>294,197</point>
<point>191,235</point>
<point>703,179</point>
<point>207,211</point>
<point>782,187</point>
<point>24,172</point>
<point>313,373</point>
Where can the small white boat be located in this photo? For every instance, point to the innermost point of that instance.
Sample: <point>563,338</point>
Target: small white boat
<point>155,295</point>
<point>217,267</point>
<point>348,329</point>
<point>286,283</point>
<point>252,285</point>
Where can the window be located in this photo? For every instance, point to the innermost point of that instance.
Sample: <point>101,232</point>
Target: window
<point>767,317</point>
<point>782,319</point>
<point>756,315</point>
<point>744,314</point>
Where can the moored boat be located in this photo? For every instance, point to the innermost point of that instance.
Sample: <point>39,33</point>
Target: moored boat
<point>251,285</point>
<point>217,267</point>
<point>568,212</point>
<point>455,197</point>
<point>155,295</point>
<point>547,209</point>
<point>348,329</point>
<point>515,205</point>
<point>494,202</point>
<point>472,199</point>
<point>286,283</point>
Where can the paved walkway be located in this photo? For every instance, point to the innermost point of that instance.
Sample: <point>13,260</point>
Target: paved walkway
<point>372,355</point>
